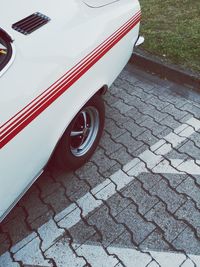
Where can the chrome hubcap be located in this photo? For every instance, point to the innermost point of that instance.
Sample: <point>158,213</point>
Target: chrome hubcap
<point>84,131</point>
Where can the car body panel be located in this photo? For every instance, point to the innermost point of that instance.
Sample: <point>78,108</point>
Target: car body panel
<point>42,58</point>
<point>99,3</point>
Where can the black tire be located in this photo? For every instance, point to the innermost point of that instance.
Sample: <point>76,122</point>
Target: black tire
<point>75,149</point>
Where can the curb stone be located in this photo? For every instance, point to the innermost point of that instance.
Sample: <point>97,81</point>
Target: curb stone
<point>165,70</point>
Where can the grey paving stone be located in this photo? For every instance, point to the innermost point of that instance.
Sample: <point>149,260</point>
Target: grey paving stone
<point>169,225</point>
<point>115,115</point>
<point>153,126</point>
<point>164,132</point>
<point>76,188</point>
<point>57,200</point>
<point>175,179</point>
<point>157,102</point>
<point>156,114</point>
<point>108,144</point>
<point>170,122</point>
<point>140,150</point>
<point>190,189</point>
<point>190,149</point>
<point>134,128</point>
<point>13,213</point>
<point>125,75</point>
<point>130,143</point>
<point>111,170</point>
<point>197,179</point>
<point>172,199</point>
<point>108,228</point>
<point>122,107</point>
<point>117,203</point>
<point>80,233</point>
<point>191,214</point>
<point>148,138</point>
<point>89,172</point>
<point>141,106</point>
<point>124,240</point>
<point>17,229</point>
<point>124,95</point>
<point>155,241</point>
<point>36,209</point>
<point>145,85</point>
<point>112,128</point>
<point>175,112</point>
<point>139,92</point>
<point>174,154</point>
<point>121,156</point>
<point>103,162</point>
<point>192,109</point>
<point>4,243</point>
<point>188,242</point>
<point>67,180</point>
<point>115,87</point>
<point>110,99</point>
<point>185,119</point>
<point>137,225</point>
<point>42,219</point>
<point>136,115</point>
<point>168,94</point>
<point>149,179</point>
<point>196,138</point>
<point>124,84</point>
<point>46,184</point>
<point>141,198</point>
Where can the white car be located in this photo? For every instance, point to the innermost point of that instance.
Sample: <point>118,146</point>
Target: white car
<point>56,60</point>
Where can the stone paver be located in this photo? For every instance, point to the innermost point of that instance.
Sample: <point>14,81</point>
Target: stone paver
<point>135,203</point>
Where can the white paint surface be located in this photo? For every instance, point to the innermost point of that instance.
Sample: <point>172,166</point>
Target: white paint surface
<point>180,166</point>
<point>131,257</point>
<point>168,259</point>
<point>188,263</point>
<point>32,255</point>
<point>97,256</point>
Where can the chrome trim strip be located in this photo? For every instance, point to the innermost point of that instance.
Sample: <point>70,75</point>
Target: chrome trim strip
<point>10,61</point>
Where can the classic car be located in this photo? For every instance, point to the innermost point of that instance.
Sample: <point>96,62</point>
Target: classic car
<point>56,61</point>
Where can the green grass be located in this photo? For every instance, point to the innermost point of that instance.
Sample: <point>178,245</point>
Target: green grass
<point>172,31</point>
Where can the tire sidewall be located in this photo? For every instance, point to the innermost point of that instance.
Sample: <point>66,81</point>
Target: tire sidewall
<point>64,157</point>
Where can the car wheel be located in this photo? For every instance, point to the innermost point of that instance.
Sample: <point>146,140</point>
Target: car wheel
<point>82,136</point>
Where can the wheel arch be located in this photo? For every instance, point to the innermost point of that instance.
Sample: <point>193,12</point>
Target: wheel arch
<point>100,92</point>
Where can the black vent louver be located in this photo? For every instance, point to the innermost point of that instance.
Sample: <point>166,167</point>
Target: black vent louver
<point>31,23</point>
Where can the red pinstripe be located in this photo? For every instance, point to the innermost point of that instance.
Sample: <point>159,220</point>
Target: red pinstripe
<point>20,120</point>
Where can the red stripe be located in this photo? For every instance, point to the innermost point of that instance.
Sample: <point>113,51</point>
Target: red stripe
<point>50,89</point>
<point>53,89</point>
<point>8,134</point>
<point>78,64</point>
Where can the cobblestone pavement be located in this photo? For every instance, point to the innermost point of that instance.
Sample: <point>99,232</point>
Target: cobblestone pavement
<point>135,203</point>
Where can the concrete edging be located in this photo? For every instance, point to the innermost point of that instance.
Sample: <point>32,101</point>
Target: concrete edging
<point>171,72</point>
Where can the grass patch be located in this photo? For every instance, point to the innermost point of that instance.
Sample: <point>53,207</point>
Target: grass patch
<point>172,30</point>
